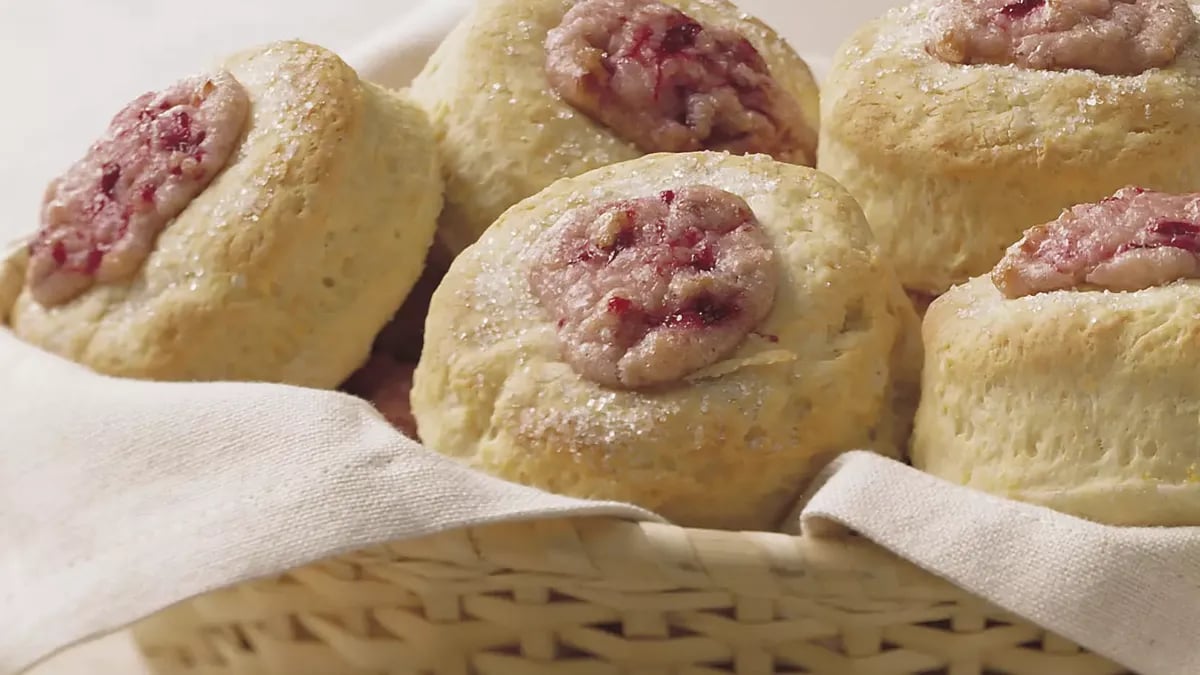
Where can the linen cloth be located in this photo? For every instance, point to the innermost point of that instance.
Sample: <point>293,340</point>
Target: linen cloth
<point>119,498</point>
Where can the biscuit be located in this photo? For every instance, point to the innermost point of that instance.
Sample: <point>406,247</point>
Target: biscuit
<point>596,361</point>
<point>285,266</point>
<point>1065,376</point>
<point>1082,401</point>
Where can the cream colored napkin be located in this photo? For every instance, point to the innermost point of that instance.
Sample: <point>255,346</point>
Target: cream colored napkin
<point>120,498</point>
<point>1130,594</point>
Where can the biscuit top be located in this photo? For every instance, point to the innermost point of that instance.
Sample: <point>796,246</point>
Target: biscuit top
<point>100,219</point>
<point>668,83</point>
<point>647,290</point>
<point>1133,240</point>
<point>1110,37</point>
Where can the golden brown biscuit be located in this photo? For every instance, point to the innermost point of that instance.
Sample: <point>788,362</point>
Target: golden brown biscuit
<point>506,130</point>
<point>695,333</point>
<point>279,263</point>
<point>1042,384</point>
<point>957,124</point>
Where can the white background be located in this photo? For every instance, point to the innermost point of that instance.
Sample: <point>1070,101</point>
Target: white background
<point>68,65</point>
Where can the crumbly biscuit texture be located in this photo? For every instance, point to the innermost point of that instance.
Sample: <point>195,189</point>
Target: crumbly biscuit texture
<point>286,266</point>
<point>1083,401</point>
<point>728,445</point>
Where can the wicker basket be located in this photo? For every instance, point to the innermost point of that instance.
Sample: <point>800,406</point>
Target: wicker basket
<point>605,596</point>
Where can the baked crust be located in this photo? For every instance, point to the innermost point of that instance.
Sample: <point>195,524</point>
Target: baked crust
<point>502,131</point>
<point>830,369</point>
<point>952,163</point>
<point>290,262</point>
<point>1083,401</point>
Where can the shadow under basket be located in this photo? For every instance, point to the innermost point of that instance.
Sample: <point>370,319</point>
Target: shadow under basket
<point>600,596</point>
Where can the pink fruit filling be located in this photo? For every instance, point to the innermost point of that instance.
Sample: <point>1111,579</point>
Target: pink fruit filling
<point>1110,37</point>
<point>1018,9</point>
<point>645,291</point>
<point>102,217</point>
<point>1133,240</point>
<point>669,83</point>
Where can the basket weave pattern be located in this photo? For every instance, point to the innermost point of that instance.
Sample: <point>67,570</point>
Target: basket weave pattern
<point>603,596</point>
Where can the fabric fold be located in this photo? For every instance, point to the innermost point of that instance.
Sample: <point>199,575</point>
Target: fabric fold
<point>1129,594</point>
<point>119,498</point>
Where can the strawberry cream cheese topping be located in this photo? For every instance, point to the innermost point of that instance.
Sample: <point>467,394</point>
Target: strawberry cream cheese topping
<point>669,83</point>
<point>1110,37</point>
<point>101,218</point>
<point>1133,240</point>
<point>645,291</point>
